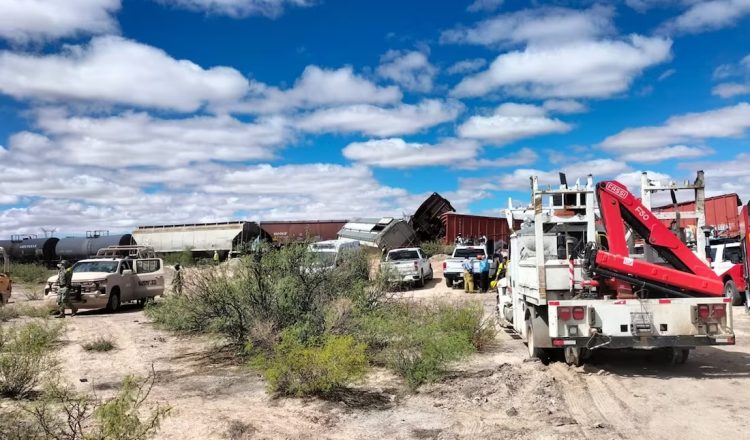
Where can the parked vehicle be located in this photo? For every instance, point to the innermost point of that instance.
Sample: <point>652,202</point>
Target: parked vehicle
<point>328,253</point>
<point>127,274</point>
<point>453,270</point>
<point>727,263</point>
<point>6,284</point>
<point>407,265</point>
<point>569,289</point>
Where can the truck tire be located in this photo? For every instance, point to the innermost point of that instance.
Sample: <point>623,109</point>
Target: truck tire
<point>113,304</point>
<point>448,282</point>
<point>730,291</point>
<point>534,352</point>
<point>420,283</point>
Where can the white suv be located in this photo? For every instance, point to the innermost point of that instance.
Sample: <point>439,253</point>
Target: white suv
<point>726,261</point>
<point>109,282</point>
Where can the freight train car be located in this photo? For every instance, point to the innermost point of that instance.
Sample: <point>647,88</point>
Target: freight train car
<point>30,249</point>
<point>300,230</point>
<point>78,248</point>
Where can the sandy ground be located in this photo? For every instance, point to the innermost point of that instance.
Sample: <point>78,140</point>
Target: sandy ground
<point>495,395</point>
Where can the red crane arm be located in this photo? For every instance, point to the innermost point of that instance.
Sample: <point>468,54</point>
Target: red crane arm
<point>688,272</point>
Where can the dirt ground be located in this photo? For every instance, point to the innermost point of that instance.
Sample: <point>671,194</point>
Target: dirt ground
<point>495,395</point>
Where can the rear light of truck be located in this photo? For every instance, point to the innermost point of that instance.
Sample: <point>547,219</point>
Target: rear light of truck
<point>579,313</point>
<point>568,313</point>
<point>564,314</point>
<point>703,311</point>
<point>445,265</point>
<point>718,311</point>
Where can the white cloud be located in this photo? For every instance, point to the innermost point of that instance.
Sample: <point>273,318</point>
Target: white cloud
<point>543,26</point>
<point>467,66</point>
<point>729,90</point>
<point>238,8</point>
<point>666,74</point>
<point>708,15</point>
<point>412,70</point>
<point>114,70</point>
<point>503,159</point>
<point>564,106</point>
<point>510,123</point>
<point>396,153</point>
<point>594,69</point>
<point>725,122</point>
<point>518,180</point>
<point>485,5</point>
<point>22,21</point>
<point>381,121</point>
<point>137,139</point>
<point>666,153</point>
<point>318,87</point>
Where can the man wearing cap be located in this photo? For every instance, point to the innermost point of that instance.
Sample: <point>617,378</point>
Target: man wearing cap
<point>64,289</point>
<point>468,266</point>
<point>484,274</point>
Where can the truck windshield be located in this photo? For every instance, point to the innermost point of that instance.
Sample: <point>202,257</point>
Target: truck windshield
<point>468,252</point>
<point>95,266</point>
<point>403,255</point>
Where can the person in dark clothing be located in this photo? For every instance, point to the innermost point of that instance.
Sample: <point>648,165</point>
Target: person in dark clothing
<point>484,274</point>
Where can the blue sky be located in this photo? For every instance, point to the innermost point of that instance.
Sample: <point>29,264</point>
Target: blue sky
<point>116,113</point>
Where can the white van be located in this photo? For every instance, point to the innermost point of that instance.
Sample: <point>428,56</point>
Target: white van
<point>328,253</point>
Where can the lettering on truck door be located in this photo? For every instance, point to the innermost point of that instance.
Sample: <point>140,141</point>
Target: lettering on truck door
<point>150,277</point>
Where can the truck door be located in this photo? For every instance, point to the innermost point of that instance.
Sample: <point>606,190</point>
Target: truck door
<point>128,282</point>
<point>150,275</point>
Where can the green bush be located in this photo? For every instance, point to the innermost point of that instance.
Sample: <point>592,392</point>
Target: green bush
<point>17,310</point>
<point>437,248</point>
<point>301,368</point>
<point>418,341</point>
<point>282,288</point>
<point>100,344</point>
<point>61,413</point>
<point>30,273</point>
<point>25,356</point>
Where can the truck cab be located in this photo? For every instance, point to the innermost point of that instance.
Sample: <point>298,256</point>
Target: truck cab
<point>409,265</point>
<point>328,253</point>
<point>727,262</point>
<point>453,266</point>
<point>109,281</point>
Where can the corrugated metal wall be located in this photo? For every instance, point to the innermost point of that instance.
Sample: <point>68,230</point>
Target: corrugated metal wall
<point>495,228</point>
<point>722,212</point>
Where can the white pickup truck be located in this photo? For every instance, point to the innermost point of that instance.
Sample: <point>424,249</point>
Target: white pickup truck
<point>407,265</point>
<point>453,269</point>
<point>109,282</point>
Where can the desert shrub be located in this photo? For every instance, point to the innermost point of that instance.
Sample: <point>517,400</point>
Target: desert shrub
<point>279,288</point>
<point>17,310</point>
<point>30,273</point>
<point>303,367</point>
<point>100,344</point>
<point>437,248</point>
<point>418,342</point>
<point>8,312</point>
<point>185,258</point>
<point>25,356</point>
<point>61,413</point>
<point>34,293</point>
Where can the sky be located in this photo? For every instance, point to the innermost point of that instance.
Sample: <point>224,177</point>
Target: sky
<point>118,113</point>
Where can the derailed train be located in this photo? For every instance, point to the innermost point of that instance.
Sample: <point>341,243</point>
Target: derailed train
<point>50,250</point>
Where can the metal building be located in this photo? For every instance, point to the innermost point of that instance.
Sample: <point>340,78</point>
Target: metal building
<point>198,237</point>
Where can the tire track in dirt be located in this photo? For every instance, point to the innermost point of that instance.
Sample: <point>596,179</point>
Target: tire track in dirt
<point>595,406</point>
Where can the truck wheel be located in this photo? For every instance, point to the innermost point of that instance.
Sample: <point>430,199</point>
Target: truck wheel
<point>449,282</point>
<point>679,355</point>
<point>113,304</point>
<point>730,291</point>
<point>421,279</point>
<point>534,352</point>
<point>574,356</point>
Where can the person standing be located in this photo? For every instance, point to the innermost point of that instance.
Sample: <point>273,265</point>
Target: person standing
<point>216,257</point>
<point>64,289</point>
<point>484,273</point>
<point>177,280</point>
<point>468,266</point>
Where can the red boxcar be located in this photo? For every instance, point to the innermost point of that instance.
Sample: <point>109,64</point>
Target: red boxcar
<point>287,231</point>
<point>495,228</point>
<point>721,212</point>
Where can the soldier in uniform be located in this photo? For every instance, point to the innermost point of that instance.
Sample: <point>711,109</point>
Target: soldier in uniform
<point>177,280</point>
<point>65,289</point>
